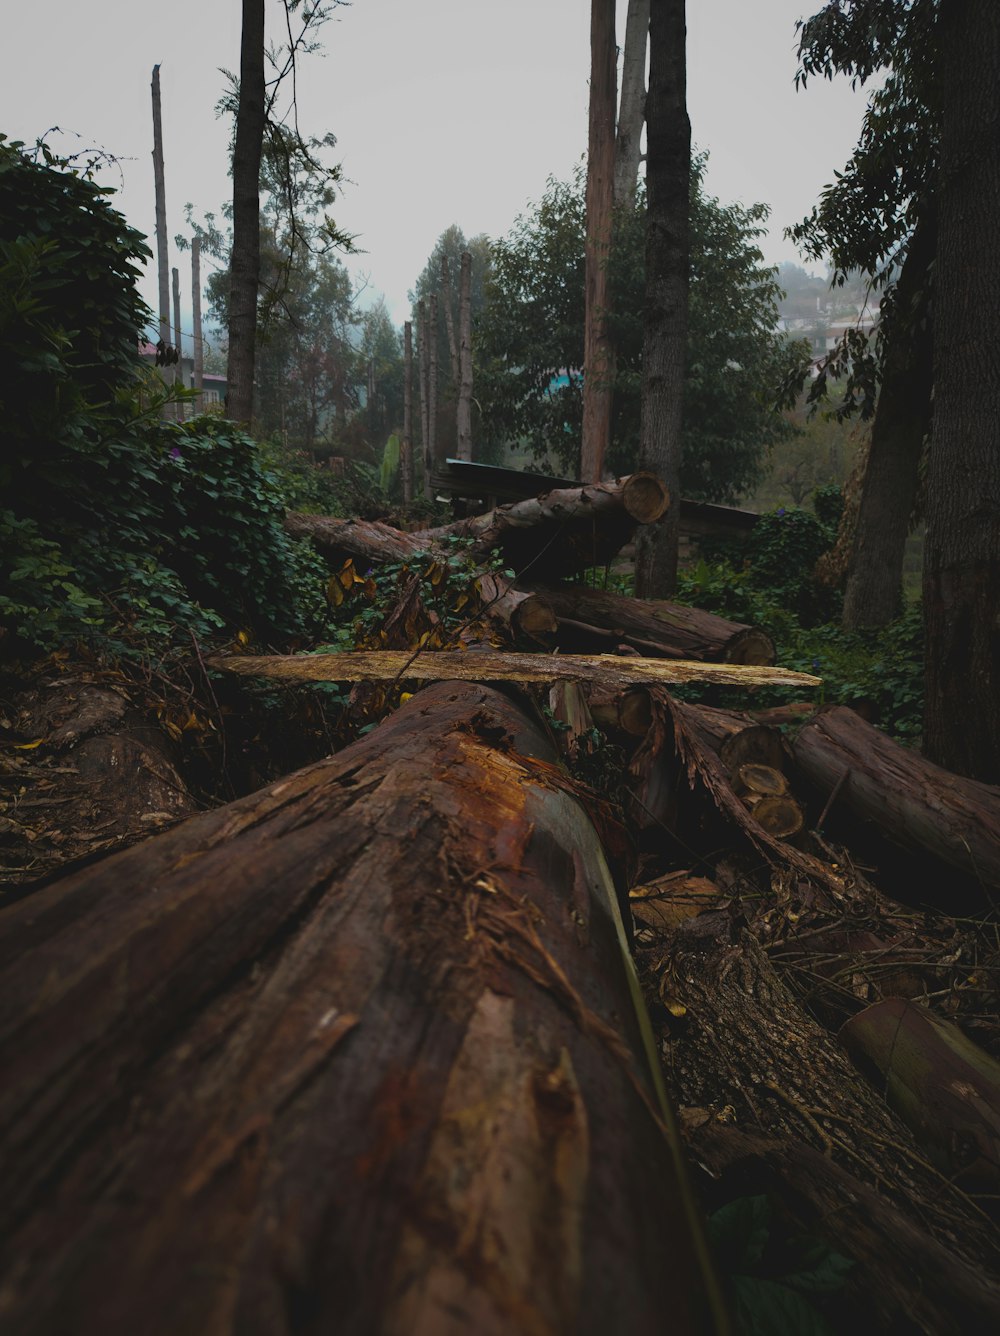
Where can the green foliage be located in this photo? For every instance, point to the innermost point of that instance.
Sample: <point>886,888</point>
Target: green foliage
<point>529,340</point>
<point>388,473</point>
<point>883,668</point>
<point>784,1284</point>
<point>782,551</point>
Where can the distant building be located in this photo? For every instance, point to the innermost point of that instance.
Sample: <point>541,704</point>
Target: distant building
<point>214,388</point>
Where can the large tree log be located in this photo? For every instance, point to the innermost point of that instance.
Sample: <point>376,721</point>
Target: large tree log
<point>346,1055</point>
<point>589,618</point>
<point>735,1043</point>
<point>557,534</point>
<point>907,799</point>
<point>485,665</point>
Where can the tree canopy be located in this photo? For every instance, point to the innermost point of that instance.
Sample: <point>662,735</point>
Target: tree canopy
<point>529,339</point>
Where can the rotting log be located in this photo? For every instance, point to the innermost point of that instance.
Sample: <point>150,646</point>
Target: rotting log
<point>743,1060</point>
<point>901,796</point>
<point>557,534</point>
<point>486,665</point>
<point>589,619</point>
<point>356,1053</point>
<point>942,1085</point>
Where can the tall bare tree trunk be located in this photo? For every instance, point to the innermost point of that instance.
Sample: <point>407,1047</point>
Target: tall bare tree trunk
<point>598,357</point>
<point>175,275</point>
<point>432,380</point>
<point>199,342</point>
<point>245,266</point>
<point>449,318</point>
<point>962,551</point>
<point>423,362</point>
<point>464,416</point>
<point>162,257</point>
<point>668,175</point>
<point>632,109</point>
<point>875,576</point>
<point>406,461</point>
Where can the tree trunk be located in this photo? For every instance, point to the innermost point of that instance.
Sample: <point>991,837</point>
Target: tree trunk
<point>432,381</point>
<point>668,173</point>
<point>423,362</point>
<point>598,357</point>
<point>175,275</point>
<point>588,619</point>
<point>847,1162</point>
<point>905,798</point>
<point>245,262</point>
<point>464,416</point>
<point>357,1053</point>
<point>449,319</point>
<point>962,549</point>
<point>162,258</point>
<point>902,417</point>
<point>199,342</point>
<point>557,534</point>
<point>632,111</point>
<point>406,459</point>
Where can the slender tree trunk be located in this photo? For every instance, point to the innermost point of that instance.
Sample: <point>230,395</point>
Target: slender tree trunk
<point>245,266</point>
<point>162,257</point>
<point>175,275</point>
<point>432,380</point>
<point>407,453</point>
<point>465,358</point>
<point>199,343</point>
<point>668,177</point>
<point>632,111</point>
<point>424,368</point>
<point>449,319</point>
<point>598,358</point>
<point>962,551</point>
<point>902,417</point>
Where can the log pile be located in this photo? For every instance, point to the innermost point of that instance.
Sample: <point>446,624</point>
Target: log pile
<point>365,1050</point>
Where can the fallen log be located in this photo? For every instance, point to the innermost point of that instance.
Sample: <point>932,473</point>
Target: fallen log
<point>589,618</point>
<point>557,534</point>
<point>356,1053</point>
<point>743,1061</point>
<point>902,797</point>
<point>486,665</point>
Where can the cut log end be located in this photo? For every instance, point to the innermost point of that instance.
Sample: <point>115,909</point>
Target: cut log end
<point>751,646</point>
<point>780,815</point>
<point>645,497</point>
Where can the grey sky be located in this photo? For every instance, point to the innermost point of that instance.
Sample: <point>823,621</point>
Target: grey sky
<point>445,110</point>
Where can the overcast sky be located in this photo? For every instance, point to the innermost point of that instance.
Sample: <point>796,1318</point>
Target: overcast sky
<point>444,110</point>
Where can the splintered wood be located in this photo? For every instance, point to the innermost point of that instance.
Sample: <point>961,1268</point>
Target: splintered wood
<point>604,670</point>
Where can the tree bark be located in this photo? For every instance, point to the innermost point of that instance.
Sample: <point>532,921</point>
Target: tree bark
<point>449,319</point>
<point>590,618</point>
<point>632,110</point>
<point>902,418</point>
<point>906,799</point>
<point>432,381</point>
<point>245,262</point>
<point>464,407</point>
<point>668,172</point>
<point>162,258</point>
<point>199,342</point>
<point>559,533</point>
<point>598,355</point>
<point>962,549</point>
<point>355,1053</point>
<point>175,275</point>
<point>406,461</point>
<point>423,362</point>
